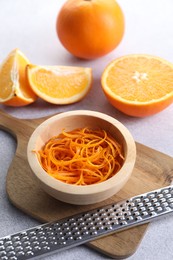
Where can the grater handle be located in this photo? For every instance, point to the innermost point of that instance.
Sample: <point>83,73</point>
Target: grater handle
<point>87,226</point>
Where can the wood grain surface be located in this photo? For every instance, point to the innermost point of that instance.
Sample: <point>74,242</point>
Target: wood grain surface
<point>152,170</point>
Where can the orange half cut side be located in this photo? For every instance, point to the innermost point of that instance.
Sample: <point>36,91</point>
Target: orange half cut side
<point>139,85</point>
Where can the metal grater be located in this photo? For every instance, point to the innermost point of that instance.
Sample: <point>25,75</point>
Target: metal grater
<point>84,227</point>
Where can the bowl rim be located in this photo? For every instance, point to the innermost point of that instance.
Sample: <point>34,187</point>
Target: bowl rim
<point>60,186</point>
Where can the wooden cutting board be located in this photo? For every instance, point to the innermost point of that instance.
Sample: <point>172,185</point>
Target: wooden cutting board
<point>152,170</point>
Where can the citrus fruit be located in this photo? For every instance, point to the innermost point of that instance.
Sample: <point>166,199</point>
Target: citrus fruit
<point>139,85</point>
<point>90,28</point>
<point>14,87</point>
<point>59,84</point>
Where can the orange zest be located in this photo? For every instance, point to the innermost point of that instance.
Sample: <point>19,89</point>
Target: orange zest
<point>82,156</point>
<point>14,87</point>
<point>139,85</point>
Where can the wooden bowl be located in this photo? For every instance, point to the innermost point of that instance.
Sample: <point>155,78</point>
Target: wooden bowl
<point>75,194</point>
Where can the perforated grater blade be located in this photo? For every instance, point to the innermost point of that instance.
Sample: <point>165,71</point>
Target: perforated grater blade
<point>84,227</point>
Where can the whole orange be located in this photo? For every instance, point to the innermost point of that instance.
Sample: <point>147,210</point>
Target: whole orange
<point>90,28</point>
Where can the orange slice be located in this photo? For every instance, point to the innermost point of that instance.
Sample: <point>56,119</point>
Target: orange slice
<point>139,85</point>
<point>14,87</point>
<point>59,84</point>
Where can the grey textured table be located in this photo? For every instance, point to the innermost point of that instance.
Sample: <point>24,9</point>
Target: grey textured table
<point>30,26</point>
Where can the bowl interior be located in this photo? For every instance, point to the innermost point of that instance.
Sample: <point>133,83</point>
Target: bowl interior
<point>54,127</point>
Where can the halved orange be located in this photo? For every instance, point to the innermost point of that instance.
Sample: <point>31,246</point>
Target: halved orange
<point>60,84</point>
<point>14,87</point>
<point>139,85</point>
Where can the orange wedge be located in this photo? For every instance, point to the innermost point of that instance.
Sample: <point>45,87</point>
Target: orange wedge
<point>139,85</point>
<point>14,87</point>
<point>59,84</point>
